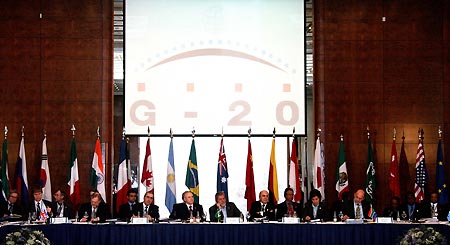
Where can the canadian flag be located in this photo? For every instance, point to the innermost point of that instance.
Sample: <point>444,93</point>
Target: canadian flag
<point>147,173</point>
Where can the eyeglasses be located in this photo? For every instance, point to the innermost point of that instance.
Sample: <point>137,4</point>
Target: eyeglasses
<point>14,196</point>
<point>148,197</point>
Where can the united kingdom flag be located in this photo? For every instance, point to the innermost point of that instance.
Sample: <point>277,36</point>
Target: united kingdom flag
<point>421,171</point>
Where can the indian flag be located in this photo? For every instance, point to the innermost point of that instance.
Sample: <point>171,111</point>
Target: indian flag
<point>97,171</point>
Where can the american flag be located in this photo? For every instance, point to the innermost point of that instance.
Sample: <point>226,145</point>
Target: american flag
<point>421,173</point>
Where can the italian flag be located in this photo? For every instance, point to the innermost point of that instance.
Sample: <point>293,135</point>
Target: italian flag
<point>74,180</point>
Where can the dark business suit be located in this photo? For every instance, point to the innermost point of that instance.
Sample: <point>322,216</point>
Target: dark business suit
<point>349,209</point>
<point>442,211</point>
<point>181,211</point>
<point>389,212</point>
<point>32,207</point>
<point>153,210</point>
<point>102,211</point>
<point>256,209</point>
<point>66,210</point>
<point>125,211</point>
<point>4,209</point>
<point>232,211</point>
<point>416,211</point>
<point>321,214</point>
<point>282,209</point>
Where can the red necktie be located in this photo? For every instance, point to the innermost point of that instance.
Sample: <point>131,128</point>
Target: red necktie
<point>291,210</point>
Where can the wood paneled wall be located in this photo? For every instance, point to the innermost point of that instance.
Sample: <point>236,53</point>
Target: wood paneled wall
<point>56,71</point>
<point>381,74</point>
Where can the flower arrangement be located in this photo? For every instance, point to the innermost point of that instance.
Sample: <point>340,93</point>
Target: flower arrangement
<point>26,236</point>
<point>423,235</point>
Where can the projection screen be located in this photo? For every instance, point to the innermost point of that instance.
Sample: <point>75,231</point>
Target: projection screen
<point>213,65</point>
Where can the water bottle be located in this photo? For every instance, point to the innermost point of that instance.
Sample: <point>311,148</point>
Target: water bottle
<point>191,217</point>
<point>448,216</point>
<point>334,217</point>
<point>398,216</point>
<point>197,218</point>
<point>248,216</point>
<point>341,215</point>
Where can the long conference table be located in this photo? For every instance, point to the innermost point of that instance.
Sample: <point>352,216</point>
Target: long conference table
<point>213,233</point>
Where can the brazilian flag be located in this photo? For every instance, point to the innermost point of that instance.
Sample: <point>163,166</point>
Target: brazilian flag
<point>192,173</point>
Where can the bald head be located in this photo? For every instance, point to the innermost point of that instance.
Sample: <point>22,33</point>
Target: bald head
<point>264,196</point>
<point>359,196</point>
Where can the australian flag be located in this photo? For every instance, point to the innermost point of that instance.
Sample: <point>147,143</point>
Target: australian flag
<point>222,173</point>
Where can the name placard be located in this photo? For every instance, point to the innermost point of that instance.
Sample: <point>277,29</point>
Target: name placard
<point>232,220</point>
<point>354,221</point>
<point>139,220</point>
<point>290,220</point>
<point>59,220</point>
<point>384,220</point>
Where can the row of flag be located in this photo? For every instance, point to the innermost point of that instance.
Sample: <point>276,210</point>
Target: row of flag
<point>396,177</point>
<point>192,180</point>
<point>97,177</point>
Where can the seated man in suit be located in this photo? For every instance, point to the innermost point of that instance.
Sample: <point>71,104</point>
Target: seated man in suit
<point>60,208</point>
<point>412,208</point>
<point>394,209</point>
<point>187,209</point>
<point>337,206</point>
<point>39,207</point>
<point>263,208</point>
<point>314,208</point>
<point>222,209</point>
<point>95,211</point>
<point>147,209</point>
<point>11,206</point>
<point>433,209</point>
<point>289,208</point>
<point>356,208</point>
<point>129,208</point>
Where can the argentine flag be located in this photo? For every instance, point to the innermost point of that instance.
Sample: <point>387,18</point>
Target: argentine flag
<point>171,189</point>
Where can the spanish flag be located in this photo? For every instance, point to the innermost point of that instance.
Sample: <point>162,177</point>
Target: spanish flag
<point>273,180</point>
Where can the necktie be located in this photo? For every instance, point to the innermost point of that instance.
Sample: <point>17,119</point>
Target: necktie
<point>94,213</point>
<point>191,213</point>
<point>291,210</point>
<point>358,211</point>
<point>10,209</point>
<point>146,210</point>
<point>59,210</point>
<point>38,208</point>
<point>263,208</point>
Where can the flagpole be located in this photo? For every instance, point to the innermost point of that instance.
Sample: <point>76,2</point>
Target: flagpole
<point>288,156</point>
<point>6,184</point>
<point>305,175</point>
